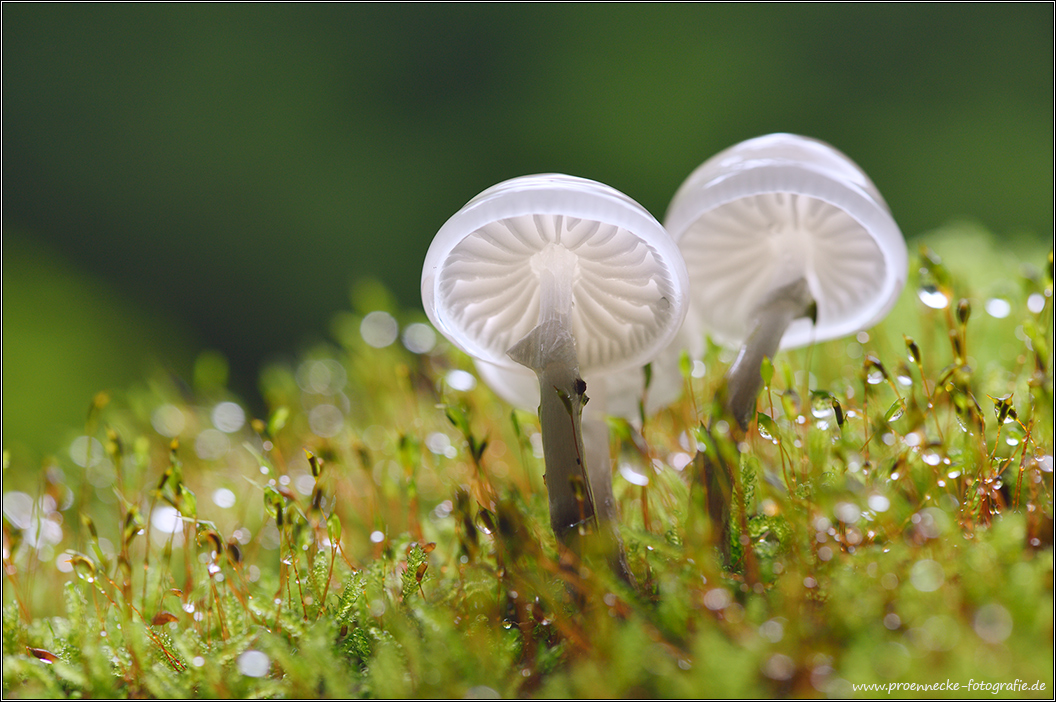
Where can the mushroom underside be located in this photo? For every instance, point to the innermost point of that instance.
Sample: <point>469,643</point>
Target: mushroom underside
<point>623,295</point>
<point>741,252</point>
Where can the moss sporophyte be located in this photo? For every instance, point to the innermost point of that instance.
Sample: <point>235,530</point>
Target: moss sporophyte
<point>876,509</point>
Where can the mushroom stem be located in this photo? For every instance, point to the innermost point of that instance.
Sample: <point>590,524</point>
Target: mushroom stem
<point>770,320</point>
<point>599,469</point>
<point>550,350</point>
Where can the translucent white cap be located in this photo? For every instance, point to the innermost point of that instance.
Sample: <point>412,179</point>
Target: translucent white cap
<point>778,207</point>
<point>617,394</point>
<point>480,280</point>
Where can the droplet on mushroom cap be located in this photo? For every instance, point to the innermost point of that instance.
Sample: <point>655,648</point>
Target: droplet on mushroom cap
<point>480,283</point>
<point>772,209</point>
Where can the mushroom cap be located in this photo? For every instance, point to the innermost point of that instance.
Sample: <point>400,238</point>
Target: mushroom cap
<point>480,281</point>
<point>777,207</point>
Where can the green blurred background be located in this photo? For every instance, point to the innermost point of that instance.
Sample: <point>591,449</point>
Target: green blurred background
<point>177,178</point>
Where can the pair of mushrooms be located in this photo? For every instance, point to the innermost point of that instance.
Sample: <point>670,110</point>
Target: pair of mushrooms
<point>773,243</point>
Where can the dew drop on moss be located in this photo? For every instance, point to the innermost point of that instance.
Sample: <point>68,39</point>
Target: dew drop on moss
<point>927,575</point>
<point>1036,302</point>
<point>998,308</point>
<point>992,623</point>
<point>253,664</point>
<point>933,297</point>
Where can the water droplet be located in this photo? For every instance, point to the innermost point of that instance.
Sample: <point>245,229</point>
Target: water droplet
<point>679,460</point>
<point>224,498</point>
<point>934,298</point>
<point>18,508</point>
<point>253,664</point>
<point>438,443</point>
<point>419,338</point>
<point>847,512</point>
<point>992,623</point>
<point>379,329</point>
<point>874,376</point>
<point>188,607</point>
<point>484,522</point>
<point>228,417</point>
<point>1036,302</point>
<point>166,519</point>
<point>377,537</point>
<point>879,503</point>
<point>86,451</point>
<point>779,667</point>
<point>927,575</point>
<point>931,522</point>
<point>460,380</point>
<point>482,692</point>
<point>772,630</point>
<point>931,458</point>
<point>326,420</point>
<point>998,308</point>
<point>632,476</point>
<point>717,599</point>
<point>211,444</point>
<point>168,420</point>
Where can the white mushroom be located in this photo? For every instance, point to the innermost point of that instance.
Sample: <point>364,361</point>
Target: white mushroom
<point>562,275</point>
<point>787,242</point>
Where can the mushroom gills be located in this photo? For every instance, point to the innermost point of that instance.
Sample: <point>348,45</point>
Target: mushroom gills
<point>771,318</point>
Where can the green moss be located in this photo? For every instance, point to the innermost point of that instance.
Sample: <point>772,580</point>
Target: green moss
<point>383,534</point>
